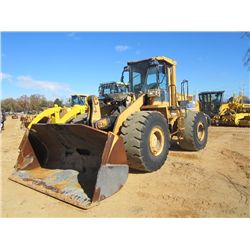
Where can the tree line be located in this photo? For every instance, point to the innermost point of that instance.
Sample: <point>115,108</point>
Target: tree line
<point>38,103</point>
<point>26,103</point>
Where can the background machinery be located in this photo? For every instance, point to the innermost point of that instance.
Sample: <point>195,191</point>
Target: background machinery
<point>87,161</point>
<point>110,88</point>
<point>26,119</point>
<point>14,116</point>
<point>210,102</point>
<point>186,100</point>
<point>232,113</point>
<point>60,115</point>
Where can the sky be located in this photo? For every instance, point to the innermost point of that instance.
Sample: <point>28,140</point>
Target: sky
<point>58,64</point>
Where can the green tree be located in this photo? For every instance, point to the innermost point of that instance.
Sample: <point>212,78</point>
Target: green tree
<point>24,103</point>
<point>58,102</point>
<point>37,102</point>
<point>10,105</point>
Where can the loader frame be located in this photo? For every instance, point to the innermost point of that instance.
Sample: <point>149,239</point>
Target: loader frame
<point>84,163</point>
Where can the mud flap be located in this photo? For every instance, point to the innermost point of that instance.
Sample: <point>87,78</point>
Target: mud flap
<point>75,163</point>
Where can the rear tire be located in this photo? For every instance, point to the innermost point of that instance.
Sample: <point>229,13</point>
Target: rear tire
<point>196,131</point>
<point>146,139</point>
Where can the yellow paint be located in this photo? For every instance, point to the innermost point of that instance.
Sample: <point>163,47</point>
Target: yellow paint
<point>54,114</point>
<point>51,113</point>
<point>158,58</point>
<point>235,112</point>
<point>73,113</point>
<point>96,112</point>
<point>200,131</point>
<point>156,141</point>
<point>134,107</point>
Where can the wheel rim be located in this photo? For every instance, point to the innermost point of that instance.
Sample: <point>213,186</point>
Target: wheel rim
<point>200,131</point>
<point>156,141</point>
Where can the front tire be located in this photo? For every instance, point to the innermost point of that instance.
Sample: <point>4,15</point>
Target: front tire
<point>146,139</point>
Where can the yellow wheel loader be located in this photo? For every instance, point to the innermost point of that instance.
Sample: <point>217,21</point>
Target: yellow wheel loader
<point>62,115</point>
<point>83,163</point>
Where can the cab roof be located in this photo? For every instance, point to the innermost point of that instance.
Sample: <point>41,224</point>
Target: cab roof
<point>112,83</point>
<point>212,92</point>
<point>158,58</point>
<point>79,95</point>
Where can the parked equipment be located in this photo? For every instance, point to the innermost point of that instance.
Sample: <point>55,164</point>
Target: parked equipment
<point>14,116</point>
<point>110,88</point>
<point>84,163</point>
<point>26,120</point>
<point>61,115</point>
<point>210,102</point>
<point>233,113</point>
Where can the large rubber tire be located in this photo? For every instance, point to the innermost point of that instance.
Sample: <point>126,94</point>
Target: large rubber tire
<point>136,132</point>
<point>191,140</point>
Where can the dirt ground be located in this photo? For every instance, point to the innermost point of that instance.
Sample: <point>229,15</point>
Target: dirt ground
<point>210,183</point>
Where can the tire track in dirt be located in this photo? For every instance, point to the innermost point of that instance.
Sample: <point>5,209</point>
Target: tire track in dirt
<point>241,161</point>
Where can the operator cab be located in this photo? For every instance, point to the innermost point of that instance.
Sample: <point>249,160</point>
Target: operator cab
<point>78,100</point>
<point>150,76</point>
<point>110,88</point>
<point>210,102</point>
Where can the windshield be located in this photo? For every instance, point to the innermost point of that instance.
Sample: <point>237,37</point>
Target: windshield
<point>152,77</point>
<point>145,76</point>
<point>113,89</point>
<point>77,100</point>
<point>122,89</point>
<point>210,102</point>
<point>107,91</point>
<point>211,98</point>
<point>136,82</point>
<point>216,98</point>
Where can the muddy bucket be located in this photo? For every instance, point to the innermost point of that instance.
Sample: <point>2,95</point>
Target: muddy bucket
<point>71,162</point>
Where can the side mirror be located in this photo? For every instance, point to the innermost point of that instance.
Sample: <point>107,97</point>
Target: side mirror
<point>126,68</point>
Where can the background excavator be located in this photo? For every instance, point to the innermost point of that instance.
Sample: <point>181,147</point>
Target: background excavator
<point>87,160</point>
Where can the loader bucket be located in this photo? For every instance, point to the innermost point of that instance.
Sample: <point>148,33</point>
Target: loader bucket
<point>75,163</point>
